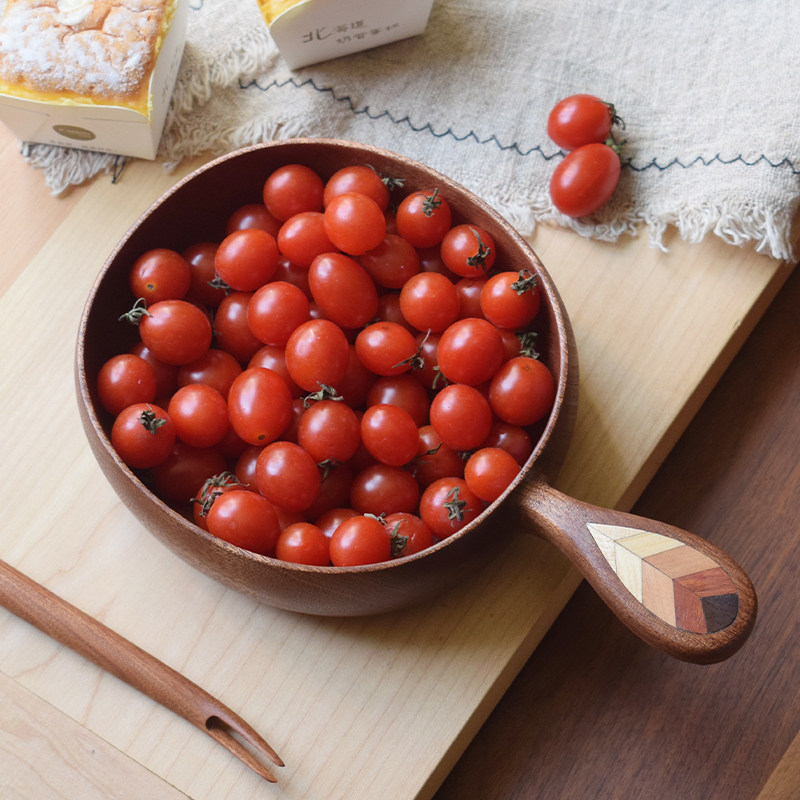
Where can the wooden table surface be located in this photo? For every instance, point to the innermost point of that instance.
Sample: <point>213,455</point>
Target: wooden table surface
<point>592,714</point>
<point>596,714</point>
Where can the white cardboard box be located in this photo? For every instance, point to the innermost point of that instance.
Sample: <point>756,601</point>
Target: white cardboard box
<point>309,31</point>
<point>104,128</point>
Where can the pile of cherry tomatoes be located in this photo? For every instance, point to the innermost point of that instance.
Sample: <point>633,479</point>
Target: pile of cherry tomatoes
<point>581,124</point>
<point>341,380</point>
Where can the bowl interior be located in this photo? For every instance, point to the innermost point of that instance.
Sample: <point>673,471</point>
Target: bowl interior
<point>196,209</point>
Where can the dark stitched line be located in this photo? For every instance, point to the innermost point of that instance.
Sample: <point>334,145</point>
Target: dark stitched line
<point>514,146</point>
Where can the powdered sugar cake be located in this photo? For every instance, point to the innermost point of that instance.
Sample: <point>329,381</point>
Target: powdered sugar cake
<point>82,51</point>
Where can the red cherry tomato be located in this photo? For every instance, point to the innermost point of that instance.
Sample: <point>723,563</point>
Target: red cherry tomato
<point>435,459</point>
<point>329,430</point>
<point>585,180</point>
<point>468,250</point>
<point>246,259</point>
<point>392,262</point>
<point>360,540</point>
<point>182,474</point>
<point>302,238</point>
<point>510,299</point>
<point>292,189</point>
<point>287,476</point>
<point>216,368</point>
<point>386,348</point>
<point>489,471</point>
<point>522,391</point>
<point>204,288</point>
<point>383,489</point>
<point>200,415</point>
<point>461,416</point>
<point>252,215</point>
<point>245,519</point>
<point>447,505</point>
<point>404,391</point>
<point>429,301</point>
<point>317,353</point>
<point>408,532</point>
<point>160,274</point>
<point>580,119</point>
<point>259,405</point>
<point>360,179</point>
<point>232,328</point>
<point>143,435</point>
<point>470,351</point>
<point>343,290</point>
<point>123,380</point>
<point>354,223</point>
<point>390,434</point>
<point>303,543</point>
<point>275,310</point>
<point>423,218</point>
<point>175,331</point>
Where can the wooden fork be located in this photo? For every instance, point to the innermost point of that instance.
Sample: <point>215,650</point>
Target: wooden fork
<point>85,635</point>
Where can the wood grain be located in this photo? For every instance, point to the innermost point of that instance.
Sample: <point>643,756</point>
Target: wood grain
<point>592,695</point>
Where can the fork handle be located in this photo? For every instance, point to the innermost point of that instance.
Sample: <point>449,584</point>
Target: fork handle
<point>118,656</point>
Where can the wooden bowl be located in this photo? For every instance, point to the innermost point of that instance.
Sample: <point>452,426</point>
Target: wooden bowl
<point>196,209</point>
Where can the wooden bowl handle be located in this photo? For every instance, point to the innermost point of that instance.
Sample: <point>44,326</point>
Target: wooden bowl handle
<point>673,589</point>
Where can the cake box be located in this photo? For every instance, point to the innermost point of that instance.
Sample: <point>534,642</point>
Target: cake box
<point>90,74</point>
<point>309,31</point>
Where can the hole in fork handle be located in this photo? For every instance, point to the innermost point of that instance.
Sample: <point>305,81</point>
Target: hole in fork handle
<point>238,738</point>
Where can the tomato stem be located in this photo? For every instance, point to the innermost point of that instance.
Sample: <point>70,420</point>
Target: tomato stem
<point>136,313</point>
<point>527,340</point>
<point>150,422</point>
<point>479,259</point>
<point>415,361</point>
<point>454,506</point>
<point>399,542</point>
<point>526,282</point>
<point>325,392</point>
<point>431,203</point>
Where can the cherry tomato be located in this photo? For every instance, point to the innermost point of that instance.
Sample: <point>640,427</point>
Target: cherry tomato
<point>390,434</point>
<point>275,310</point>
<point>166,374</point>
<point>216,368</point>
<point>386,348</point>
<point>360,179</point>
<point>429,301</point>
<point>245,519</point>
<point>470,351</point>
<point>409,534</point>
<point>354,223</point>
<point>469,296</point>
<point>303,543</point>
<point>274,358</point>
<point>360,540</point>
<point>585,180</point>
<point>392,262</point>
<point>143,435</point>
<point>468,250</point>
<point>329,521</point>
<point>123,380</point>
<point>512,438</point>
<point>259,405</point>
<point>356,382</point>
<point>292,273</point>
<point>302,238</point>
<point>489,471</point>
<point>447,505</point>
<point>522,391</point>
<point>175,331</point>
<point>200,415</point>
<point>253,215</point>
<point>179,477</point>
<point>329,430</point>
<point>292,189</point>
<point>214,485</point>
<point>232,329</point>
<point>317,353</point>
<point>205,288</point>
<point>404,391</point>
<point>160,274</point>
<point>427,367</point>
<point>246,259</point>
<point>383,489</point>
<point>343,290</point>
<point>580,119</point>
<point>287,476</point>
<point>461,416</point>
<point>423,218</point>
<point>510,299</point>
<point>435,459</point>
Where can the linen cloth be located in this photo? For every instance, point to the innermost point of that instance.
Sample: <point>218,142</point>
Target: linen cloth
<point>709,93</point>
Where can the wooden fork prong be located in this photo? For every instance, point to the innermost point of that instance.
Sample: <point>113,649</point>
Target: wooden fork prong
<point>227,732</point>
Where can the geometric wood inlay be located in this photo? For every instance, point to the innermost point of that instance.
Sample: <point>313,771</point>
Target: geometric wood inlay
<point>679,584</point>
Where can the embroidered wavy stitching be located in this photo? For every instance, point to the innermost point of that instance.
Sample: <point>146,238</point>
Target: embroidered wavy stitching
<point>365,110</point>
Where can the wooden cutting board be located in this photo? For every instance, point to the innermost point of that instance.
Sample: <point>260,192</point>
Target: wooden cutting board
<point>358,708</point>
